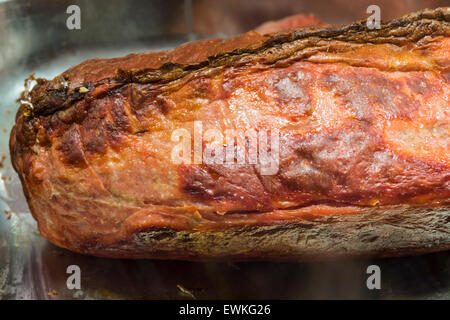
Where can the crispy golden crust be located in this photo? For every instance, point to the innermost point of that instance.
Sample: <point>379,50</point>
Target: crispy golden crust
<point>364,125</point>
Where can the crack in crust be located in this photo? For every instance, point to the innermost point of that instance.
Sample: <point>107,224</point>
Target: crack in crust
<point>59,93</point>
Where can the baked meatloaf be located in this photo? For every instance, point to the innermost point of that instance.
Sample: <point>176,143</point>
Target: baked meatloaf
<point>362,166</point>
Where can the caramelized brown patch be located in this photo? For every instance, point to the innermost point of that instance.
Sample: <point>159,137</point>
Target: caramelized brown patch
<point>421,85</point>
<point>71,147</point>
<point>227,188</point>
<point>362,89</point>
<point>119,115</point>
<point>93,136</point>
<point>114,135</point>
<point>163,105</point>
<point>327,161</point>
<point>201,87</point>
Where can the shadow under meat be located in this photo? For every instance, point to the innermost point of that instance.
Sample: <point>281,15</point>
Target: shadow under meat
<point>410,277</point>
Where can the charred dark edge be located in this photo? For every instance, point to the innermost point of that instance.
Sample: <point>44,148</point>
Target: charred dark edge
<point>60,97</point>
<point>349,33</point>
<point>379,232</point>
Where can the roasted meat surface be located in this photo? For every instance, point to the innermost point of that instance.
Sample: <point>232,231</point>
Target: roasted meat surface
<point>363,167</point>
